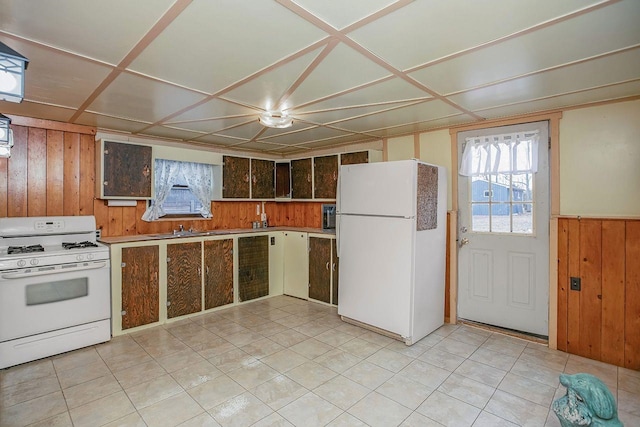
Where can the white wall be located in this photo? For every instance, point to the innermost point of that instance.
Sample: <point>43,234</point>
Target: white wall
<point>400,148</point>
<point>435,148</point>
<point>600,161</point>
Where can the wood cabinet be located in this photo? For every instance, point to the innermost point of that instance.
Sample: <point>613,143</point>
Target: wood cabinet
<point>218,273</point>
<point>283,180</point>
<point>354,158</point>
<point>253,267</point>
<point>184,279</point>
<point>325,177</point>
<point>323,269</point>
<point>296,264</point>
<point>124,171</point>
<point>301,182</point>
<point>235,178</point>
<point>262,179</point>
<point>140,297</point>
<point>320,269</point>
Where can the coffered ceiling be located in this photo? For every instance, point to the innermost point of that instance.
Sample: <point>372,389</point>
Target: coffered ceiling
<point>348,71</point>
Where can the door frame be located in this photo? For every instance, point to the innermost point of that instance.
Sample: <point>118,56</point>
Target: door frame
<point>554,210</point>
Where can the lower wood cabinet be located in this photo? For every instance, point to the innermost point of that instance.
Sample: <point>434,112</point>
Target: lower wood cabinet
<point>140,303</point>
<point>184,279</point>
<point>218,273</point>
<point>323,269</point>
<point>253,267</point>
<point>320,269</point>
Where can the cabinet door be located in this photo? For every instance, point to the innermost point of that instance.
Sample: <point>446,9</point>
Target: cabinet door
<point>235,177</point>
<point>253,267</point>
<point>301,179</point>
<point>296,264</point>
<point>218,273</point>
<point>325,177</point>
<point>262,179</point>
<point>354,158</point>
<point>320,269</point>
<point>127,170</point>
<point>184,279</point>
<point>283,180</point>
<point>334,272</point>
<point>140,288</point>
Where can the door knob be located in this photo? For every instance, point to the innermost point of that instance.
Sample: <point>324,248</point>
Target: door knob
<point>463,242</point>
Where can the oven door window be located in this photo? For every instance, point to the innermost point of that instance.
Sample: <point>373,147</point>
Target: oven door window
<point>45,293</point>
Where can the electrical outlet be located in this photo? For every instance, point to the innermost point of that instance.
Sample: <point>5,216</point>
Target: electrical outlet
<point>575,283</point>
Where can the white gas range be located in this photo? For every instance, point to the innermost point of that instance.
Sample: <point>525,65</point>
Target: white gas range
<point>55,287</point>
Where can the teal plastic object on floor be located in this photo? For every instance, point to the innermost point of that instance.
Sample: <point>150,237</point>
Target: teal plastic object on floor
<point>588,402</point>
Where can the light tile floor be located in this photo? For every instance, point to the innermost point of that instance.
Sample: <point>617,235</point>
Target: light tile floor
<point>283,361</point>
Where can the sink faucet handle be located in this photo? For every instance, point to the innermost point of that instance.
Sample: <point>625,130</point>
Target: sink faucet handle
<point>181,227</point>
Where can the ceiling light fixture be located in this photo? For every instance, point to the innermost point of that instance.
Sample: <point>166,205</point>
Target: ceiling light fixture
<point>12,66</point>
<point>276,119</point>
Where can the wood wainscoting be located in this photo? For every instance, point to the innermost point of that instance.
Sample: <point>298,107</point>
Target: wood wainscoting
<point>602,320</point>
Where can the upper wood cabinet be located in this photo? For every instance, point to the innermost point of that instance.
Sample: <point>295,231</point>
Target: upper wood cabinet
<point>301,182</point>
<point>140,303</point>
<point>365,156</point>
<point>235,177</point>
<point>124,171</point>
<point>262,179</point>
<point>325,177</point>
<point>283,180</point>
<point>184,279</point>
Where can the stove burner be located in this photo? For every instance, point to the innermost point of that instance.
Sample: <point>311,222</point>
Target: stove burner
<point>24,249</point>
<point>76,245</point>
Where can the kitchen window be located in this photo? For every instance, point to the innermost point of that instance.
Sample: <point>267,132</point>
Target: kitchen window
<point>181,189</point>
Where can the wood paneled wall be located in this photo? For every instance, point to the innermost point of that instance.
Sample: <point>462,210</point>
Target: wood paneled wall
<point>602,320</point>
<point>52,172</point>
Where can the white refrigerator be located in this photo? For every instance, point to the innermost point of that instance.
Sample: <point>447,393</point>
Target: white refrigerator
<point>391,231</point>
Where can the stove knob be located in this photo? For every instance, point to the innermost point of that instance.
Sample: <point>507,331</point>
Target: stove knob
<point>89,256</point>
<point>79,257</point>
<point>34,261</point>
<point>22,263</point>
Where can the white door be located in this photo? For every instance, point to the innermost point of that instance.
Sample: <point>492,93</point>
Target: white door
<point>503,237</point>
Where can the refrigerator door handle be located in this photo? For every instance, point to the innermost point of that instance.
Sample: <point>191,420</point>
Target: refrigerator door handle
<point>338,215</point>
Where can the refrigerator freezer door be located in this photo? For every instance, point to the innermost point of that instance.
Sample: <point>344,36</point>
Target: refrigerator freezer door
<point>376,271</point>
<point>382,189</point>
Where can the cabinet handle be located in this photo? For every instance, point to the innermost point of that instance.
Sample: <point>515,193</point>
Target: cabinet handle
<point>333,267</point>
<point>246,177</point>
<point>123,265</point>
<point>308,177</point>
<point>207,270</point>
<point>199,271</point>
<point>123,313</point>
<point>168,303</point>
<point>254,179</point>
<point>327,265</point>
<point>105,183</point>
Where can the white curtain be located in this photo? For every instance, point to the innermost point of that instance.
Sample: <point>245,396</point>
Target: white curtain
<point>507,153</point>
<point>199,178</point>
<point>166,172</point>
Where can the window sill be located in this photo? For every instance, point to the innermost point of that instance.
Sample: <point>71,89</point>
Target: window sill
<point>185,217</point>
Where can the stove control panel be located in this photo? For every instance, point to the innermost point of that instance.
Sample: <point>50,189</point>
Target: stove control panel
<point>49,226</point>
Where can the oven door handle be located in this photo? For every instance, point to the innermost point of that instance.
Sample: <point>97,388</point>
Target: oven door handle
<point>22,274</point>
